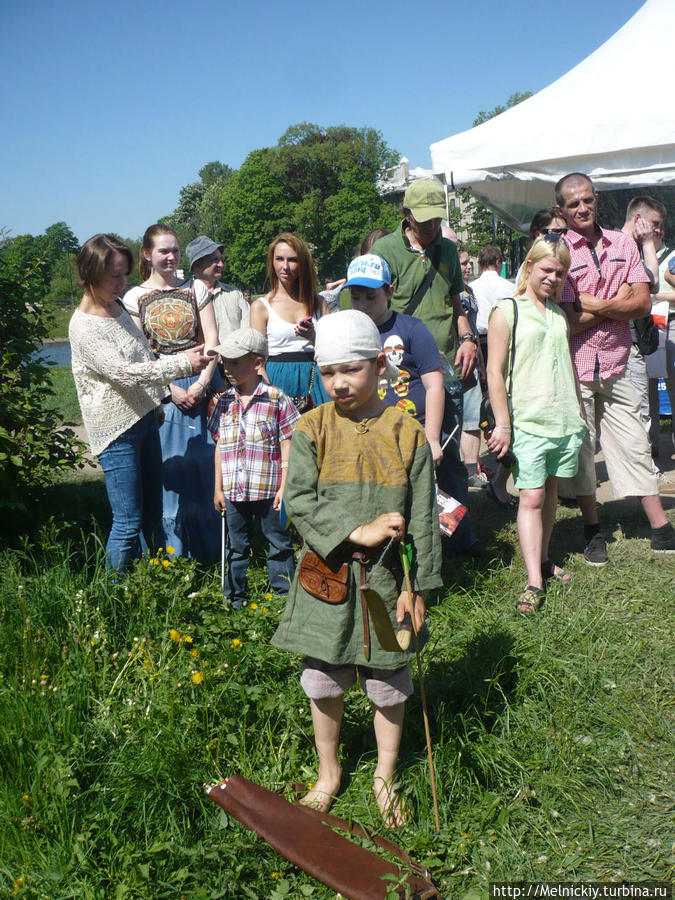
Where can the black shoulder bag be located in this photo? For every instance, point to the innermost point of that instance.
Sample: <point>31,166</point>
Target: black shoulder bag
<point>646,335</point>
<point>487,417</point>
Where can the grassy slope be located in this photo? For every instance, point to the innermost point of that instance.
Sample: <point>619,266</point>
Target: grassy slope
<point>553,736</point>
<point>64,397</point>
<point>59,329</point>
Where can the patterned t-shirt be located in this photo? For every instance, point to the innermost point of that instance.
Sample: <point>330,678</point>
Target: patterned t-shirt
<point>409,345</point>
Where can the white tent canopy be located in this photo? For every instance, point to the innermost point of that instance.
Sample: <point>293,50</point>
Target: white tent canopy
<point>601,118</point>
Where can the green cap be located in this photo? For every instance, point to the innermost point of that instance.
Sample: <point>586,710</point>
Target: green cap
<point>425,199</point>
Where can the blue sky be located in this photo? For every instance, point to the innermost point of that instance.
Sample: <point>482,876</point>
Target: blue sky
<point>109,109</point>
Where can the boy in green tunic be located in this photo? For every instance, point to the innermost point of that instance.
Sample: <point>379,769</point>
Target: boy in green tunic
<point>360,475</point>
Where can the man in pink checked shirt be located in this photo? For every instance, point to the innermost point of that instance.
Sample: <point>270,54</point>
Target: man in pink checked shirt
<point>606,287</point>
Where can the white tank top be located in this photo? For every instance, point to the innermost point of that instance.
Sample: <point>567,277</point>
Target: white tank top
<point>281,336</point>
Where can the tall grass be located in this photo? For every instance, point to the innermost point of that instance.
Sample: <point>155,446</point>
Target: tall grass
<point>64,398</point>
<point>553,736</point>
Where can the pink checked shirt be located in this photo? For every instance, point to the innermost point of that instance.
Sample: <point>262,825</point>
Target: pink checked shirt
<point>250,437</point>
<point>617,263</point>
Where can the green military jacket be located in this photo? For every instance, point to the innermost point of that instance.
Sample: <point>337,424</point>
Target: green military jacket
<point>408,269</point>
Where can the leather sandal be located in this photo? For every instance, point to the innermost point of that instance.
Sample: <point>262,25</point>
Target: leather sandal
<point>530,600</point>
<point>550,570</point>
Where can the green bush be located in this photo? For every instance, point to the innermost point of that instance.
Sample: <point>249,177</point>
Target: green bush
<point>34,446</point>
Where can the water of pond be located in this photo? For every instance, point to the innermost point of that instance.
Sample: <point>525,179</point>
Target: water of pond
<point>57,352</point>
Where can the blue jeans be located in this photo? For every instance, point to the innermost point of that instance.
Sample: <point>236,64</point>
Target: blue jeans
<point>451,474</point>
<point>239,516</point>
<point>132,466</point>
<point>191,524</point>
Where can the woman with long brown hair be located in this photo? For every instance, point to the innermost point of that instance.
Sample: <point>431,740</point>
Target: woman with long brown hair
<point>287,316</point>
<point>175,315</point>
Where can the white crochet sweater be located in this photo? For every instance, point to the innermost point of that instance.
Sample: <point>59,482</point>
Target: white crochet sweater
<point>117,377</point>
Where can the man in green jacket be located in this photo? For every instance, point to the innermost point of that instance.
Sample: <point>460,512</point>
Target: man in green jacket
<point>427,281</point>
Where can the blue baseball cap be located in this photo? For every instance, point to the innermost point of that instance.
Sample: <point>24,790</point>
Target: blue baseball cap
<point>368,271</point>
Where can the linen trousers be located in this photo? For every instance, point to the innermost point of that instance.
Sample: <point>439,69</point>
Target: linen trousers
<point>612,406</point>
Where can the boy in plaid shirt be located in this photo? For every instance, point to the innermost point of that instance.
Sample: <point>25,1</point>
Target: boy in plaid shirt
<point>251,459</point>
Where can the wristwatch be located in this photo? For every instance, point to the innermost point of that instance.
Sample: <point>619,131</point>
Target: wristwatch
<point>468,336</point>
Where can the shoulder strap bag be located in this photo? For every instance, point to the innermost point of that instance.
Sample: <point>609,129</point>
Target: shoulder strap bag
<point>419,294</point>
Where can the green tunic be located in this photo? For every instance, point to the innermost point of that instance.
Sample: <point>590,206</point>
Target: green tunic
<point>337,480</point>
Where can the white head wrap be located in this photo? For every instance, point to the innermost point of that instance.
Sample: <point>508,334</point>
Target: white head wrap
<point>346,336</point>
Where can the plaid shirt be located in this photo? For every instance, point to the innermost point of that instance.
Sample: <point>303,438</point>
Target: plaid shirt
<point>603,347</point>
<point>250,437</point>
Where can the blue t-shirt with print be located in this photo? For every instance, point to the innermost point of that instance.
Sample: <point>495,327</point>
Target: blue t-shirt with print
<point>410,345</point>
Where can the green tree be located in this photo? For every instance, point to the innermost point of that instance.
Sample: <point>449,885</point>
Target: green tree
<point>27,253</point>
<point>213,172</point>
<point>185,219</point>
<point>478,218</point>
<point>318,182</point>
<point>198,205</point>
<point>33,446</point>
<point>513,100</point>
<point>253,209</point>
<point>60,241</point>
<point>63,284</point>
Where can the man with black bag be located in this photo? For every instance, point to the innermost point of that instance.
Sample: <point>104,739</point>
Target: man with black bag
<point>645,220</point>
<point>427,280</point>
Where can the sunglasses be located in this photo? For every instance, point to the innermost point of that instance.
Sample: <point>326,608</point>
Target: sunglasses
<point>557,231</point>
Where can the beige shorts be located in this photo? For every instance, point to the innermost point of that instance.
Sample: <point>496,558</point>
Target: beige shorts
<point>383,687</point>
<point>613,406</point>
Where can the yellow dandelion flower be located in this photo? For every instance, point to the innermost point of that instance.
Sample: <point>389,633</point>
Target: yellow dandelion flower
<point>197,677</point>
<point>253,606</point>
<point>154,561</point>
<point>276,874</point>
<point>165,563</point>
<point>265,609</point>
<point>187,638</point>
<point>268,596</point>
<point>174,635</point>
<point>170,550</point>
<point>235,642</point>
<point>160,549</point>
<point>194,652</point>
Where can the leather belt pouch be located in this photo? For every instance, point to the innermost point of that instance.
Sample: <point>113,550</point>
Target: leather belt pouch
<point>304,839</point>
<point>326,580</point>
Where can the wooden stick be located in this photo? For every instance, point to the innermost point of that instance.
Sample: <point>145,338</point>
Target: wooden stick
<point>425,715</point>
<point>449,437</point>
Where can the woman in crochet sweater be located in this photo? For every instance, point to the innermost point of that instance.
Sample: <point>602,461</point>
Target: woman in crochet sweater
<point>120,387</point>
